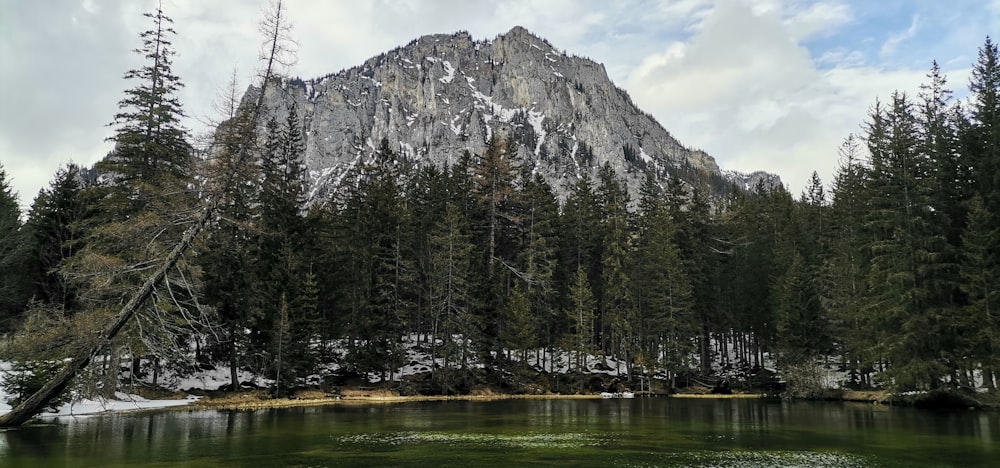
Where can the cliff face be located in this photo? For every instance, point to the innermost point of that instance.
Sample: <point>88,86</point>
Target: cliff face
<point>441,95</point>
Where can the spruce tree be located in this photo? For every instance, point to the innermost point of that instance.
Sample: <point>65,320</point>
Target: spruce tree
<point>909,277</point>
<point>538,259</point>
<point>451,289</point>
<point>14,281</point>
<point>983,136</point>
<point>54,222</point>
<point>615,306</point>
<point>151,153</point>
<point>581,310</point>
<point>843,284</point>
<point>142,204</point>
<point>662,289</point>
<point>979,273</point>
<point>233,278</point>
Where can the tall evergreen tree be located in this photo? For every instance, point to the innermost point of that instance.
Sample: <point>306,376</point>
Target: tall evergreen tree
<point>909,275</point>
<point>451,289</point>
<point>983,136</point>
<point>54,223</point>
<point>979,272</point>
<point>538,259</point>
<point>151,153</point>
<point>581,311</point>
<point>615,304</point>
<point>233,279</point>
<point>14,285</point>
<point>143,204</point>
<point>495,179</point>
<point>843,284</point>
<point>662,288</point>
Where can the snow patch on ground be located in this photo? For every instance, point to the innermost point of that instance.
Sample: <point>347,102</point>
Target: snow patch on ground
<point>80,406</point>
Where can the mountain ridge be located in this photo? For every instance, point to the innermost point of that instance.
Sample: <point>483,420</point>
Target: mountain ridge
<point>444,94</point>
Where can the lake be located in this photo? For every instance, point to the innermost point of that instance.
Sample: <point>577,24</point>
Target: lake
<point>639,432</point>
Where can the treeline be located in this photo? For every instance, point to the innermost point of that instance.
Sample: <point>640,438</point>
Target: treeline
<point>894,273</point>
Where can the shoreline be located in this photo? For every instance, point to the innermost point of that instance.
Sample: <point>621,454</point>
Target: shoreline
<point>257,400</point>
<point>250,401</point>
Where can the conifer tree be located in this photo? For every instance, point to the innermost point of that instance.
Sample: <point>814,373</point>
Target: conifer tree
<point>983,135</point>
<point>104,333</point>
<point>142,205</point>
<point>151,153</point>
<point>909,276</point>
<point>451,289</point>
<point>232,275</point>
<point>14,286</point>
<point>538,259</point>
<point>979,273</point>
<point>581,311</point>
<point>843,284</point>
<point>519,328</point>
<point>53,225</point>
<point>662,290</point>
<point>615,303</point>
<point>580,240</point>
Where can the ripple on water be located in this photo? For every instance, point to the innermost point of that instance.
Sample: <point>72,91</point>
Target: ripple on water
<point>700,458</point>
<point>529,440</point>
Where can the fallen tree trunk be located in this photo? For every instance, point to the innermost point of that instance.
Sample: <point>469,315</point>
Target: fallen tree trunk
<point>34,405</point>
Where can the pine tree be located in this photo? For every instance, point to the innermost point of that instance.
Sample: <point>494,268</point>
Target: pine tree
<point>909,274</point>
<point>689,210</point>
<point>983,136</point>
<point>581,311</point>
<point>519,328</point>
<point>979,272</point>
<point>495,176</point>
<point>580,240</point>
<point>142,205</point>
<point>538,258</point>
<point>616,323</point>
<point>14,282</point>
<point>151,153</point>
<point>232,277</point>
<point>106,330</point>
<point>53,224</point>
<point>379,275</point>
<point>662,290</point>
<point>843,284</point>
<point>451,289</point>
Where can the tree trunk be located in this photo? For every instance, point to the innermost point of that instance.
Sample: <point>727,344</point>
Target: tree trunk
<point>156,370</point>
<point>705,354</point>
<point>234,376</point>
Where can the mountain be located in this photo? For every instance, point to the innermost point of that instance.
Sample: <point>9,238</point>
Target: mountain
<point>442,95</point>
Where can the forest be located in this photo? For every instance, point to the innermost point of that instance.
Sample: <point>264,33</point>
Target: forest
<point>889,270</point>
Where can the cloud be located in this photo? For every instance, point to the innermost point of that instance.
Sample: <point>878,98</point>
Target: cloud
<point>890,45</point>
<point>818,19</point>
<point>746,89</point>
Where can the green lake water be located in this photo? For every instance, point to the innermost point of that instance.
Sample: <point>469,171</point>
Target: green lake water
<point>641,432</point>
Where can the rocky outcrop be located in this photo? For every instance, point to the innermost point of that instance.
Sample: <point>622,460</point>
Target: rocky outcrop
<point>442,95</point>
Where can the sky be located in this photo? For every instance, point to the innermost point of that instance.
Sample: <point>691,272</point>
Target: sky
<point>773,85</point>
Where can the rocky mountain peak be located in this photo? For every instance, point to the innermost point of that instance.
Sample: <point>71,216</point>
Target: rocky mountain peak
<point>444,94</point>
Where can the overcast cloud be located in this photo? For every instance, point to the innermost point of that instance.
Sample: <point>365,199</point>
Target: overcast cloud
<point>771,85</point>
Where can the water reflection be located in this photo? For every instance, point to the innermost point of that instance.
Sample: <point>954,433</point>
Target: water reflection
<point>438,430</point>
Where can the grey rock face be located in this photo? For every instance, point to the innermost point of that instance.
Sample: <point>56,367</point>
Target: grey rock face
<point>442,95</point>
